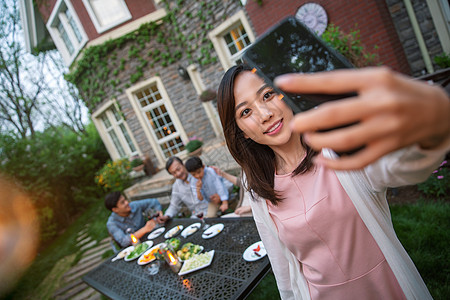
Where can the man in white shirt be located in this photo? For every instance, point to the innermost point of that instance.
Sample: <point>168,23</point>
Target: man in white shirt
<point>181,191</point>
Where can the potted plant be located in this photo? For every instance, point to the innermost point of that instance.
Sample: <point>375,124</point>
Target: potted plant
<point>137,164</point>
<point>208,95</point>
<point>194,146</point>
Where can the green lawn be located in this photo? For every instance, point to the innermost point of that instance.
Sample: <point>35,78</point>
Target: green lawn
<point>423,229</point>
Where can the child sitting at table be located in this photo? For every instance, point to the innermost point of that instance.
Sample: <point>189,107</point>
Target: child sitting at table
<point>208,186</point>
<point>243,208</point>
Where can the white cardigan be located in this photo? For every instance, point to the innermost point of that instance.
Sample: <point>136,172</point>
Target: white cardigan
<point>367,190</point>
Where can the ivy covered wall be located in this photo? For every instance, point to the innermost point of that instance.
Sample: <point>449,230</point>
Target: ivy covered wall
<point>158,49</point>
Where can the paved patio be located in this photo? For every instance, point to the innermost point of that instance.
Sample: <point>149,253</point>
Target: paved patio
<point>215,153</point>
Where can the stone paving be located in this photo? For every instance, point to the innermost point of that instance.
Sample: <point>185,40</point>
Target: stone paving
<point>73,287</point>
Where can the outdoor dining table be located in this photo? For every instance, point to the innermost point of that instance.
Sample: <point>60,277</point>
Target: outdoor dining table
<point>228,277</point>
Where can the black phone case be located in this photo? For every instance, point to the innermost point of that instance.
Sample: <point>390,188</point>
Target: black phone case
<point>266,56</point>
<point>270,55</point>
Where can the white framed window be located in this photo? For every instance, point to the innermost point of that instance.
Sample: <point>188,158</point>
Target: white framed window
<point>237,40</point>
<point>440,14</point>
<point>66,30</point>
<point>210,106</point>
<point>231,38</point>
<point>115,133</point>
<point>158,118</point>
<point>106,14</point>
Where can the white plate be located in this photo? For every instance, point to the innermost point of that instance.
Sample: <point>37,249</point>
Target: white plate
<point>155,233</point>
<point>249,253</point>
<point>173,232</point>
<point>182,272</point>
<point>147,252</point>
<point>191,229</point>
<point>212,231</point>
<point>123,253</point>
<point>149,243</point>
<point>201,250</point>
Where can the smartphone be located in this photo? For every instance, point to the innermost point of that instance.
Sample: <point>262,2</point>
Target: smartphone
<point>290,47</point>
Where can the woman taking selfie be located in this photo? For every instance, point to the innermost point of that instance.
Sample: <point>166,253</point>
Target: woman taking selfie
<point>328,233</point>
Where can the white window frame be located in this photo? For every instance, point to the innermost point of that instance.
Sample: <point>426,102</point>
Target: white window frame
<point>217,34</point>
<point>211,111</point>
<point>96,22</point>
<point>140,114</point>
<point>58,16</point>
<point>109,144</point>
<point>440,14</point>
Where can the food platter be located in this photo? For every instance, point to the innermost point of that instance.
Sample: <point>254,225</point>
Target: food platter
<point>212,231</point>
<point>155,233</point>
<point>145,258</point>
<point>191,229</point>
<point>123,253</point>
<point>254,252</point>
<point>196,263</point>
<point>173,232</point>
<point>148,245</point>
<point>174,243</point>
<point>189,250</point>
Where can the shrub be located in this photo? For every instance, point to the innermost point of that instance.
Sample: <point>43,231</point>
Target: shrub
<point>56,168</point>
<point>438,184</point>
<point>136,162</point>
<point>208,95</point>
<point>350,46</point>
<point>442,60</point>
<point>114,176</point>
<point>193,144</point>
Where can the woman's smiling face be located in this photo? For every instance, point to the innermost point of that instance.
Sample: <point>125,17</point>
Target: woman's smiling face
<point>259,111</point>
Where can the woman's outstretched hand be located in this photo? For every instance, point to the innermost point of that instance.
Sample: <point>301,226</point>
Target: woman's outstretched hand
<point>390,112</point>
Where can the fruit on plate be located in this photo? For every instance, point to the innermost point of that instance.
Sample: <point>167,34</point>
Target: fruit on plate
<point>174,243</point>
<point>149,256</point>
<point>188,250</point>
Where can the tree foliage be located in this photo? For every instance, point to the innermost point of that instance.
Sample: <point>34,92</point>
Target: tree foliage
<point>350,46</point>
<point>57,168</point>
<point>33,94</point>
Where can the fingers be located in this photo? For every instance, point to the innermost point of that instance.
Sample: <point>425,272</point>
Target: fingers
<point>217,170</point>
<point>334,114</point>
<point>361,158</point>
<point>334,82</point>
<point>353,136</point>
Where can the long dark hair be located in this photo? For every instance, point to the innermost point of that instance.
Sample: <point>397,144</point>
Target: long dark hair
<point>256,160</point>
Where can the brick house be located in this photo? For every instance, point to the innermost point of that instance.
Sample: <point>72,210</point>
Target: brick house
<point>141,65</point>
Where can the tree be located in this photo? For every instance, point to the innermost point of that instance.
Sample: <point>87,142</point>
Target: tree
<point>33,93</point>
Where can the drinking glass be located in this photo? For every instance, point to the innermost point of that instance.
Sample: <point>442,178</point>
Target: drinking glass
<point>200,215</point>
<point>151,214</point>
<point>153,267</point>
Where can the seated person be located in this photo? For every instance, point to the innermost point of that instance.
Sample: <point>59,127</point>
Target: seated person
<point>207,186</point>
<point>243,208</point>
<point>128,217</point>
<point>181,191</point>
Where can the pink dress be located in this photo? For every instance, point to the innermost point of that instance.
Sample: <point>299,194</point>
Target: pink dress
<point>319,224</point>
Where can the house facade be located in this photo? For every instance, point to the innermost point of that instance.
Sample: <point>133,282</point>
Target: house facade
<point>142,65</point>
